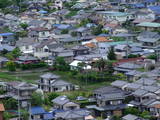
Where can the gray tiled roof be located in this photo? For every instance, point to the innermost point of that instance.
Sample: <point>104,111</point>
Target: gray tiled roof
<point>73,114</point>
<point>146,81</point>
<point>119,83</point>
<point>49,75</point>
<point>139,92</point>
<point>61,100</point>
<point>130,117</point>
<point>112,96</point>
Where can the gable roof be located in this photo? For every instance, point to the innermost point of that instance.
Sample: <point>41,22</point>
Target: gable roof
<point>149,24</point>
<point>102,39</point>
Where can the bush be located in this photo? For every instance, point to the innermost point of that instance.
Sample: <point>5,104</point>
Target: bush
<point>65,31</point>
<point>31,66</point>
<point>11,66</point>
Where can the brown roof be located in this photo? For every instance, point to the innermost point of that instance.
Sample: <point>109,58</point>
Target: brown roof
<point>102,39</point>
<point>2,108</point>
<point>157,106</point>
<point>90,45</point>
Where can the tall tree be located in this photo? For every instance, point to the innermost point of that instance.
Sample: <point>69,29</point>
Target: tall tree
<point>111,54</point>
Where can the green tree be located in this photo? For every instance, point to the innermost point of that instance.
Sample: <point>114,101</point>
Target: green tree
<point>11,66</point>
<point>100,64</point>
<point>61,65</point>
<point>97,30</point>
<point>4,3</point>
<point>65,31</point>
<point>14,54</point>
<point>153,57</point>
<point>131,110</point>
<point>36,99</point>
<point>11,104</point>
<point>52,96</point>
<point>81,65</point>
<point>24,25</point>
<point>111,54</point>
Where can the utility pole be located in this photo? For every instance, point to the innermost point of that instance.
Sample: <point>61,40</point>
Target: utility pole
<point>19,112</point>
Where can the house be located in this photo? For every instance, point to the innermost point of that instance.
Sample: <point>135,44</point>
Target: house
<point>42,50</point>
<point>126,67</point>
<point>63,103</point>
<point>21,91</point>
<point>67,54</point>
<point>43,33</point>
<point>75,65</point>
<point>27,45</point>
<point>27,60</point>
<point>6,47</point>
<point>1,111</point>
<point>149,39</point>
<point>80,50</point>
<point>133,75</point>
<point>119,84</point>
<point>80,114</point>
<point>148,25</point>
<point>7,38</point>
<point>37,113</point>
<point>51,83</point>
<point>113,15</point>
<point>131,117</point>
<point>110,101</point>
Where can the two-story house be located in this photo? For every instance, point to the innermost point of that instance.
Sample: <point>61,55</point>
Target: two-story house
<point>51,83</point>
<point>21,91</point>
<point>110,101</point>
<point>149,39</point>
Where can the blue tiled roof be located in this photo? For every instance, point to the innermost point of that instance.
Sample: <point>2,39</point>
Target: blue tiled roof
<point>6,34</point>
<point>37,110</point>
<point>155,9</point>
<point>43,12</point>
<point>150,1</point>
<point>139,5</point>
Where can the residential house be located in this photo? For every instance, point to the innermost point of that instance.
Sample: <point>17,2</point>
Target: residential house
<point>7,38</point>
<point>27,60</point>
<point>148,25</point>
<point>1,111</point>
<point>80,114</point>
<point>38,113</point>
<point>149,39</point>
<point>21,91</point>
<point>113,15</point>
<point>126,67</point>
<point>63,103</point>
<point>119,84</point>
<point>132,117</point>
<point>110,101</point>
<point>67,54</point>
<point>80,50</point>
<point>75,65</point>
<point>26,45</point>
<point>133,75</point>
<point>43,33</point>
<point>51,83</point>
<point>42,50</point>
